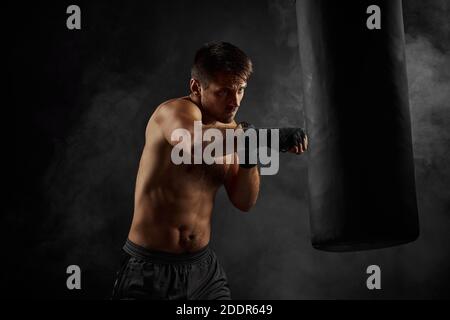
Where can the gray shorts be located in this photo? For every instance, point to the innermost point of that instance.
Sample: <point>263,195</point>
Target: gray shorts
<point>146,274</point>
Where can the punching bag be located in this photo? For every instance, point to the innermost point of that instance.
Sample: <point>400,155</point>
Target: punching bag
<point>360,162</point>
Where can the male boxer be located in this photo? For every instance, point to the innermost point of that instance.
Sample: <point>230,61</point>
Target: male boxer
<point>167,254</point>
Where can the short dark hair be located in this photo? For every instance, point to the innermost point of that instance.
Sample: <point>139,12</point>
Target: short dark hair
<point>215,57</point>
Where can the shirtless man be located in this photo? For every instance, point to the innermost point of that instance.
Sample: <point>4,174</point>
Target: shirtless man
<point>167,254</point>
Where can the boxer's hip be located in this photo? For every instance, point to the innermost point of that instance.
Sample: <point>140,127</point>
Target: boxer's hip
<point>150,274</point>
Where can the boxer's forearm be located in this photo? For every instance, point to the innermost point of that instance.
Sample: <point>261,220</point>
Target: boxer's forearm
<point>245,188</point>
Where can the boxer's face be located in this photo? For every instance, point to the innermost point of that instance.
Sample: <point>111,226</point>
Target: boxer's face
<point>223,96</point>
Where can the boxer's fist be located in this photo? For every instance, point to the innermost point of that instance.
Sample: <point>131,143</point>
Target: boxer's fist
<point>293,140</point>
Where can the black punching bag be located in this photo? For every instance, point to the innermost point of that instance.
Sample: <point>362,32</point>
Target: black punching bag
<point>360,161</point>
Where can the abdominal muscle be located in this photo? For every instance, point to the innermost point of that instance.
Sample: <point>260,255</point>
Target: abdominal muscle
<point>169,228</point>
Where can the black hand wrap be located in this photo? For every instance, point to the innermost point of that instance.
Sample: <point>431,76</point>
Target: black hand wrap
<point>287,137</point>
<point>290,137</point>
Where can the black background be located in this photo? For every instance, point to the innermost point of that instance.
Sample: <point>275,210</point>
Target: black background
<point>80,101</point>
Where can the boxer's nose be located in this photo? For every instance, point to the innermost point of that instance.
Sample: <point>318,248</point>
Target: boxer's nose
<point>234,100</point>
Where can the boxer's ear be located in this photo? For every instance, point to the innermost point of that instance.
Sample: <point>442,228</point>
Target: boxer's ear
<point>195,87</point>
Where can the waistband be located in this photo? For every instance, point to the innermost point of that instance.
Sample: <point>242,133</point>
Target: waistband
<point>137,251</point>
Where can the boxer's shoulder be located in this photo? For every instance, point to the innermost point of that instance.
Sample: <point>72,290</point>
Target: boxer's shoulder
<point>174,108</point>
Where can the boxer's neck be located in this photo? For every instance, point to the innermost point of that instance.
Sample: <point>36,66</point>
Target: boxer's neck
<point>206,119</point>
